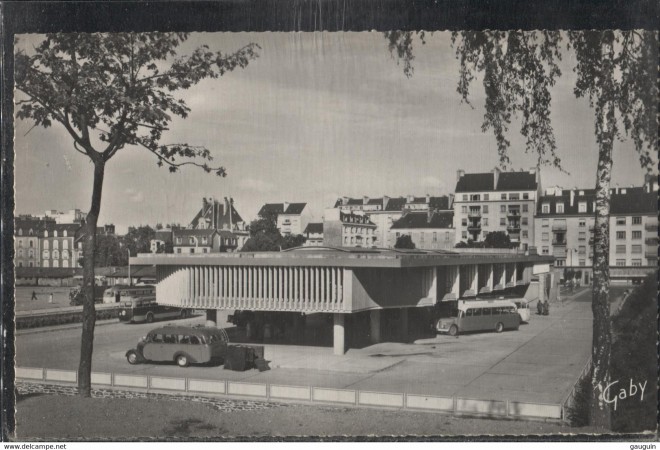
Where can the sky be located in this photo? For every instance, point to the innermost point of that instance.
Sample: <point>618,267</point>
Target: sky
<point>315,117</point>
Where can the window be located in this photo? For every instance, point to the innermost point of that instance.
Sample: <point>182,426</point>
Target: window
<point>45,233</point>
<point>421,236</point>
<point>620,262</point>
<point>620,234</point>
<point>65,254</point>
<point>485,197</point>
<point>464,235</point>
<point>30,243</point>
<point>545,208</point>
<point>205,250</point>
<point>435,236</point>
<point>514,196</point>
<point>582,262</point>
<point>582,236</point>
<point>465,197</point>
<point>524,234</point>
<point>178,250</point>
<point>582,250</point>
<point>205,240</point>
<point>524,220</point>
<point>560,262</point>
<point>582,223</point>
<point>525,196</point>
<point>20,243</point>
<point>20,253</point>
<point>545,223</point>
<point>485,221</point>
<point>545,236</point>
<point>636,262</point>
<point>636,220</point>
<point>475,197</point>
<point>464,209</point>
<point>56,263</point>
<point>502,208</point>
<point>636,234</point>
<point>191,250</point>
<point>178,240</point>
<point>446,235</point>
<point>560,208</point>
<point>20,232</point>
<point>525,208</point>
<point>502,221</point>
<point>620,220</point>
<point>46,244</point>
<point>64,233</point>
<point>621,249</point>
<point>582,207</point>
<point>636,249</point>
<point>545,250</point>
<point>503,196</point>
<point>485,209</point>
<point>346,238</point>
<point>398,234</point>
<point>55,233</point>
<point>352,240</point>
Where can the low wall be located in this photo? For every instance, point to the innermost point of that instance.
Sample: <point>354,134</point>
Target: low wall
<point>51,318</point>
<point>503,409</point>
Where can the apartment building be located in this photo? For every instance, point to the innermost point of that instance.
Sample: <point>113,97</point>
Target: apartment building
<point>313,234</point>
<point>58,245</point>
<point>218,216</point>
<point>27,240</point>
<point>348,229</point>
<point>385,211</point>
<point>564,228</point>
<point>496,201</point>
<point>292,218</point>
<point>429,230</point>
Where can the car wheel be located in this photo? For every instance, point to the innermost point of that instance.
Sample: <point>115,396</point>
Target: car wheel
<point>132,357</point>
<point>499,327</point>
<point>182,361</point>
<point>453,330</point>
<point>150,317</point>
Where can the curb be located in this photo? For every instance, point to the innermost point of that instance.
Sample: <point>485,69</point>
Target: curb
<point>69,326</point>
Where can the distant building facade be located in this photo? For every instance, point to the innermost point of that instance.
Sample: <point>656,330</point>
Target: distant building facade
<point>70,216</point>
<point>564,228</point>
<point>292,218</point>
<point>160,240</point>
<point>429,230</point>
<point>348,229</point>
<point>218,216</point>
<point>384,211</point>
<point>313,234</point>
<point>28,231</point>
<point>196,241</point>
<point>58,245</point>
<point>496,201</point>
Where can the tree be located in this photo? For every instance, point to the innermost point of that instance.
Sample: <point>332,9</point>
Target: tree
<point>404,241</point>
<point>616,71</point>
<point>265,237</point>
<point>109,92</point>
<point>498,239</point>
<point>138,239</point>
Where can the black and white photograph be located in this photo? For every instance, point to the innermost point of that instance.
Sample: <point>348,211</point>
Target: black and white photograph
<point>335,234</point>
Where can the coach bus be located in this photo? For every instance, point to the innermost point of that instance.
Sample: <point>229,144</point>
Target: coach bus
<point>145,309</point>
<point>118,292</point>
<point>480,315</point>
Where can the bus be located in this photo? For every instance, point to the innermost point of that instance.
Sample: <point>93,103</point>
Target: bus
<point>480,315</point>
<point>145,309</point>
<point>116,293</point>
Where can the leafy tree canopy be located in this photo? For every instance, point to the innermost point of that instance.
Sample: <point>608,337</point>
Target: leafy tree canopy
<point>265,237</point>
<point>404,241</point>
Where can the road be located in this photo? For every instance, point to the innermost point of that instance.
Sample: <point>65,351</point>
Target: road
<point>540,362</point>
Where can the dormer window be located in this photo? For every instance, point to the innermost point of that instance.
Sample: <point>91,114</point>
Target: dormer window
<point>55,233</point>
<point>545,208</point>
<point>64,233</point>
<point>582,207</point>
<point>560,208</point>
<point>20,232</point>
<point>45,233</point>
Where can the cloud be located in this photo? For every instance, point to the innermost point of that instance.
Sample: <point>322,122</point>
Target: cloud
<point>134,196</point>
<point>252,184</point>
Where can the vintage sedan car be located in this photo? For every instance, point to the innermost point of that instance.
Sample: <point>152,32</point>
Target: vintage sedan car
<point>183,345</point>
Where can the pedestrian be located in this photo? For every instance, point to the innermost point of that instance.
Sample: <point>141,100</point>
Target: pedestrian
<point>50,298</point>
<point>34,296</point>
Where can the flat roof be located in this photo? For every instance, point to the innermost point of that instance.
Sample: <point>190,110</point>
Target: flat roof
<point>339,257</point>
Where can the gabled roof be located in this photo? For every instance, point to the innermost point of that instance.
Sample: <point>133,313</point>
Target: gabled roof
<point>395,204</point>
<point>422,219</point>
<point>506,181</point>
<point>278,208</point>
<point>189,232</point>
<point>314,228</point>
<point>163,235</point>
<point>217,215</point>
<point>636,200</point>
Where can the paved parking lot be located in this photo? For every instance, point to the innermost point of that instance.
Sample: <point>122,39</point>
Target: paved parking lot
<point>539,363</point>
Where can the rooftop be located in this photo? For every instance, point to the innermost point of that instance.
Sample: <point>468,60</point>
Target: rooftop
<point>506,181</point>
<point>279,208</point>
<point>422,219</point>
<point>339,256</point>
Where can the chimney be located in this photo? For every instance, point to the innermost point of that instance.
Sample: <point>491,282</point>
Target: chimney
<point>459,174</point>
<point>410,198</point>
<point>429,215</point>
<point>450,204</point>
<point>344,200</point>
<point>365,200</point>
<point>285,206</point>
<point>572,197</point>
<point>496,176</point>
<point>386,200</point>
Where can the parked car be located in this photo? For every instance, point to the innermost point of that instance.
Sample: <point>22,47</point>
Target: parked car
<point>183,345</point>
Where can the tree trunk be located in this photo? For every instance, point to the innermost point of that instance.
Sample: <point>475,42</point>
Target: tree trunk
<point>600,305</point>
<point>89,311</point>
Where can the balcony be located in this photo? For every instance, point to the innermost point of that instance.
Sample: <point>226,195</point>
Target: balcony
<point>651,253</point>
<point>513,228</point>
<point>559,242</point>
<point>474,213</point>
<point>651,240</point>
<point>474,227</point>
<point>513,213</point>
<point>651,226</point>
<point>558,227</point>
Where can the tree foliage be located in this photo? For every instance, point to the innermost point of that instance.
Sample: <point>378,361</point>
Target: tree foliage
<point>494,239</point>
<point>404,241</point>
<point>265,237</point>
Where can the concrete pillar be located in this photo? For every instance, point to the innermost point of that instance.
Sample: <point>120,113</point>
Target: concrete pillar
<point>404,324</point>
<point>339,335</point>
<point>211,318</point>
<point>374,318</point>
